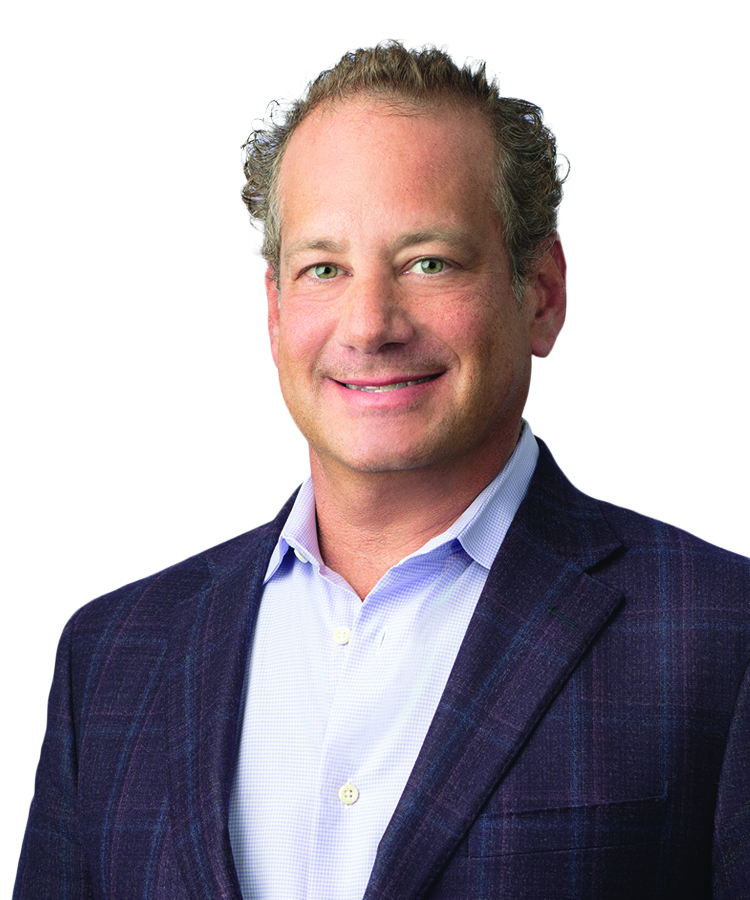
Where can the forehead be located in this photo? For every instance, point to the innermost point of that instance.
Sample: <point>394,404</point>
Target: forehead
<point>366,152</point>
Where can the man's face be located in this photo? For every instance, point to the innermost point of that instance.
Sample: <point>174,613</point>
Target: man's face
<point>395,330</point>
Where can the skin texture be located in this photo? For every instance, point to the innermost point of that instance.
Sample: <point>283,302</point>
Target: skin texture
<point>393,269</point>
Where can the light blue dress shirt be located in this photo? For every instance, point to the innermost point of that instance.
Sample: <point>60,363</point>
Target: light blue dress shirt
<point>339,694</point>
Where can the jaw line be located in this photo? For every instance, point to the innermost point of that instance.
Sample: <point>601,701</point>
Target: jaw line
<point>383,388</point>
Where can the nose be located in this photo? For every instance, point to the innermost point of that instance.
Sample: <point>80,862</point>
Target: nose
<point>372,317</point>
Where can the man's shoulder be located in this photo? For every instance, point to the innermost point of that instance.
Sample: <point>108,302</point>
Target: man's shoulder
<point>573,518</point>
<point>641,532</point>
<point>150,600</point>
<point>662,564</point>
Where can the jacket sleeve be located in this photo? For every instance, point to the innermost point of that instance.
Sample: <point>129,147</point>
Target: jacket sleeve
<point>51,865</point>
<point>731,852</point>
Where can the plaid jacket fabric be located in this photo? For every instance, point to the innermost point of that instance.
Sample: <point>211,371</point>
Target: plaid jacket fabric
<point>593,741</point>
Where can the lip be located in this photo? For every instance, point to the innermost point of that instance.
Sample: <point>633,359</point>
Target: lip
<point>384,386</point>
<point>385,393</point>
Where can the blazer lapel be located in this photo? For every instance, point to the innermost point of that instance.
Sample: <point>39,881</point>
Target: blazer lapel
<point>209,644</point>
<point>537,615</point>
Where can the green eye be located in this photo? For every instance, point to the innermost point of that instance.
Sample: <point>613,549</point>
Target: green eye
<point>429,266</point>
<point>325,271</point>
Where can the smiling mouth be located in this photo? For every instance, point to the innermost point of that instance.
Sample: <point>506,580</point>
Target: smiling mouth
<point>383,388</point>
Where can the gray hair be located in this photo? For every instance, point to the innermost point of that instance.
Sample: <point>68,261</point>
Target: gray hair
<point>528,186</point>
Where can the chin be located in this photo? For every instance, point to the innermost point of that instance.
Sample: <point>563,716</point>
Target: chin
<point>390,459</point>
<point>386,465</point>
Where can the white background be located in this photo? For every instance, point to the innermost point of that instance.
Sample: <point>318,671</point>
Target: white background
<point>142,418</point>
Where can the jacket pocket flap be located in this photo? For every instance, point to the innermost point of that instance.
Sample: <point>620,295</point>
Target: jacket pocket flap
<point>616,824</point>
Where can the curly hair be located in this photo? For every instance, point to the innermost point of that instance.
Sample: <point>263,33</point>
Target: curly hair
<point>528,186</point>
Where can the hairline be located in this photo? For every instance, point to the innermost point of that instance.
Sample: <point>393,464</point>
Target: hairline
<point>403,103</point>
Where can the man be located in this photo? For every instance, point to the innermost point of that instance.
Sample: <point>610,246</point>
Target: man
<point>441,671</point>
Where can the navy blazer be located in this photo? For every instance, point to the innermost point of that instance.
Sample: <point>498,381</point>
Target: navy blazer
<point>592,742</point>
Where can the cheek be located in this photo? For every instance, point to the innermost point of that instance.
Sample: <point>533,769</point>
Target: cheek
<point>477,316</point>
<point>301,340</point>
<point>475,337</point>
<point>493,355</point>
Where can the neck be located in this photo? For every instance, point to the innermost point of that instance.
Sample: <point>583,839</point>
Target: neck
<point>369,521</point>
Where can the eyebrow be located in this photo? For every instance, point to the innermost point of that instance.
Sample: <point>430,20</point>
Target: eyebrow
<point>456,237</point>
<point>325,244</point>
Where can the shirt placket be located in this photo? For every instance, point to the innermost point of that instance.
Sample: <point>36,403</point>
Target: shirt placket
<point>344,802</point>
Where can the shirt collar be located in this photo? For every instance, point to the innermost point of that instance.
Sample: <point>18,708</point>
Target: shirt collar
<point>300,532</point>
<point>480,529</point>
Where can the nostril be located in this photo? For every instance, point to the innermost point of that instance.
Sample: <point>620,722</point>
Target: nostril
<point>371,325</point>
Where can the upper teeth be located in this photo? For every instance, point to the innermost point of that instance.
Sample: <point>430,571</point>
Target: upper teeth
<point>381,388</point>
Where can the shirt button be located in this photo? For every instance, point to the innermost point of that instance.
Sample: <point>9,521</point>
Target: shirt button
<point>342,634</point>
<point>300,556</point>
<point>348,794</point>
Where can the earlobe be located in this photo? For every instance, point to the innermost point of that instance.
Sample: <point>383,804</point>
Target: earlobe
<point>547,298</point>
<point>272,295</point>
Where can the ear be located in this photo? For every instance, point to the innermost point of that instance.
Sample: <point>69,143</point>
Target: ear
<point>546,299</point>
<point>272,294</point>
